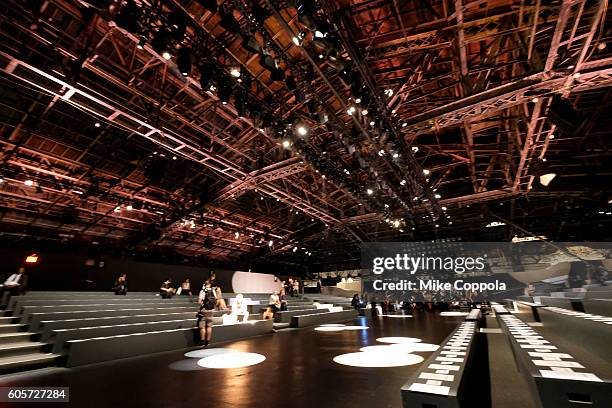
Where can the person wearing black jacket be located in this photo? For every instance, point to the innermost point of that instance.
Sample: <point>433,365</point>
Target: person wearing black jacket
<point>207,301</point>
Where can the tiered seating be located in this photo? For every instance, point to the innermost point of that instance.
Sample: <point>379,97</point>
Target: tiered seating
<point>89,327</point>
<point>555,377</point>
<point>530,308</point>
<point>441,380</point>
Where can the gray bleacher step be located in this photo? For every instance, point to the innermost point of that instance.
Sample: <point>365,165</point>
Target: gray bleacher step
<point>9,319</point>
<point>280,326</point>
<point>11,328</point>
<point>27,362</point>
<point>20,348</point>
<point>14,337</point>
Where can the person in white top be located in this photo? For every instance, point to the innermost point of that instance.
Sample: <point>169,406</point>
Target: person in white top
<point>239,308</point>
<point>15,283</point>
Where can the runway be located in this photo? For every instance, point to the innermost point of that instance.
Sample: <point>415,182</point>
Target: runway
<point>298,371</point>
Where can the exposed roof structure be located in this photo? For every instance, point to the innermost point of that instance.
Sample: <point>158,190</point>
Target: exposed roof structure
<point>293,131</point>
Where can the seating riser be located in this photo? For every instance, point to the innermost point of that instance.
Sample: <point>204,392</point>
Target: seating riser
<point>594,337</point>
<point>59,337</point>
<point>28,310</point>
<point>47,327</point>
<point>323,318</point>
<point>107,349</point>
<point>36,318</point>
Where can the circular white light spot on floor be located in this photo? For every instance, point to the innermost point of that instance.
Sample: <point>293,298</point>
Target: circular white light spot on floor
<point>185,365</point>
<point>231,360</point>
<point>389,348</point>
<point>377,359</point>
<point>329,329</point>
<point>423,347</point>
<point>453,313</point>
<point>398,340</point>
<point>208,352</point>
<point>400,316</point>
<point>355,328</point>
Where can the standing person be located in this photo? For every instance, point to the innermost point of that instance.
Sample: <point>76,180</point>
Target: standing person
<point>296,287</point>
<point>120,287</point>
<point>207,302</point>
<point>166,291</point>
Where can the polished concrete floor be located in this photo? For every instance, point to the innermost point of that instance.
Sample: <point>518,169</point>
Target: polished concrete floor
<point>298,372</point>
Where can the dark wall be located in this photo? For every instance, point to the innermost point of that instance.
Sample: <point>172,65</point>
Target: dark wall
<point>79,272</point>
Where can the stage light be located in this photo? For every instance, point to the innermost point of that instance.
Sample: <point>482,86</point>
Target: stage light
<point>270,243</point>
<point>372,123</point>
<point>398,340</point>
<point>286,144</point>
<point>543,172</point>
<point>97,124</point>
<point>601,46</point>
<point>237,235</point>
<point>377,359</point>
<point>403,183</point>
<point>396,224</point>
<point>389,92</point>
<point>295,249</point>
<point>444,208</point>
<point>351,110</point>
<point>231,360</point>
<point>117,209</point>
<point>32,259</point>
<point>404,124</point>
<point>395,155</point>
<point>129,207</point>
<point>369,191</point>
<point>183,61</point>
<point>319,34</point>
<point>28,183</point>
<point>426,172</point>
<point>302,130</point>
<point>364,112</point>
<point>438,196</point>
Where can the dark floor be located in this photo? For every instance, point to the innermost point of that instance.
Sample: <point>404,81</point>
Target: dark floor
<point>298,372</point>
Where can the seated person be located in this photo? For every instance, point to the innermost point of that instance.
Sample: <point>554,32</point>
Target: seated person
<point>166,291</point>
<point>120,287</point>
<point>15,284</point>
<point>239,308</point>
<point>274,303</point>
<point>220,301</point>
<point>185,289</point>
<point>268,314</point>
<point>355,302</point>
